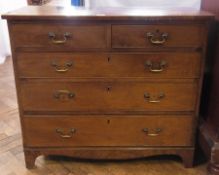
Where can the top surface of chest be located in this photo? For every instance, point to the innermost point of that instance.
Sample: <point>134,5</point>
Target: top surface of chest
<point>72,13</point>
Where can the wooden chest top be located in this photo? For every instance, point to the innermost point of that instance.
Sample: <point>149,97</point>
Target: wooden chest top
<point>73,13</point>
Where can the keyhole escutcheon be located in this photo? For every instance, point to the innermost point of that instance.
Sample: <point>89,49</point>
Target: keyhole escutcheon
<point>108,121</point>
<point>109,88</point>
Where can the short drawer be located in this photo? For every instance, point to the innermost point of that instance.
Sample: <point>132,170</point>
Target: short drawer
<point>156,36</point>
<point>150,65</point>
<point>56,36</point>
<point>69,131</point>
<point>107,96</point>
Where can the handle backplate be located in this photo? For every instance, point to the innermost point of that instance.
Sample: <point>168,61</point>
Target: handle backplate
<point>64,95</point>
<point>152,133</point>
<point>62,68</point>
<point>64,135</point>
<point>152,99</point>
<point>157,38</point>
<point>54,39</point>
<point>155,67</point>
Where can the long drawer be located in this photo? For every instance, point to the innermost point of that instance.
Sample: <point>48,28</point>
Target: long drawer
<point>149,65</point>
<point>107,96</point>
<point>156,36</point>
<point>68,131</point>
<point>58,36</point>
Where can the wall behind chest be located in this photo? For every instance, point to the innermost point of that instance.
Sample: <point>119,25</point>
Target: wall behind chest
<point>4,39</point>
<point>191,4</point>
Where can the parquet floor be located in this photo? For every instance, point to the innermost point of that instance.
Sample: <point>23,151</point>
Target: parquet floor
<point>12,159</point>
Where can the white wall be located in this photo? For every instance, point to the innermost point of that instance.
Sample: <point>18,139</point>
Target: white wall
<point>154,4</point>
<point>5,6</point>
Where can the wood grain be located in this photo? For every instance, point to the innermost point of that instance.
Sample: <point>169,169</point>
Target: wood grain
<point>135,36</point>
<point>38,36</point>
<point>12,158</point>
<point>104,95</point>
<point>110,130</point>
<point>110,65</point>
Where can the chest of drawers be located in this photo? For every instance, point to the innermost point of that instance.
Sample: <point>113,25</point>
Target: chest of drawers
<point>108,83</point>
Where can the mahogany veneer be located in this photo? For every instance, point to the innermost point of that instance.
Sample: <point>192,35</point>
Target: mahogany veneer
<point>108,83</point>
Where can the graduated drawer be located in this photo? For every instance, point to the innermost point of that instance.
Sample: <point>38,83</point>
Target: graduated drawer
<point>68,131</point>
<point>107,96</point>
<point>57,36</point>
<point>151,36</point>
<point>150,65</point>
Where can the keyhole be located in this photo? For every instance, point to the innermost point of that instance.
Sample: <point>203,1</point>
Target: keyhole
<point>108,88</point>
<point>108,121</point>
<point>108,59</point>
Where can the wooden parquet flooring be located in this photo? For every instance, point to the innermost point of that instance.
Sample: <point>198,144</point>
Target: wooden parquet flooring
<point>12,158</point>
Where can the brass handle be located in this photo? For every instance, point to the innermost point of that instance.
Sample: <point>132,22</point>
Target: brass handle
<point>156,132</point>
<point>62,94</point>
<point>148,97</point>
<point>152,66</point>
<point>65,136</point>
<point>157,38</point>
<point>53,36</point>
<point>59,68</point>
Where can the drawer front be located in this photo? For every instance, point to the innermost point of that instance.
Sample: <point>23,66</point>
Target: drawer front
<point>67,131</point>
<point>59,36</point>
<point>107,96</point>
<point>151,65</point>
<point>152,36</point>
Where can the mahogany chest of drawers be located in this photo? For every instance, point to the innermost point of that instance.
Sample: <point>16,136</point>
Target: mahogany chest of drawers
<point>108,83</point>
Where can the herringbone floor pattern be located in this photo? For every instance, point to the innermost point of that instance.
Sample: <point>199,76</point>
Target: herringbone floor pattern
<point>12,159</point>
